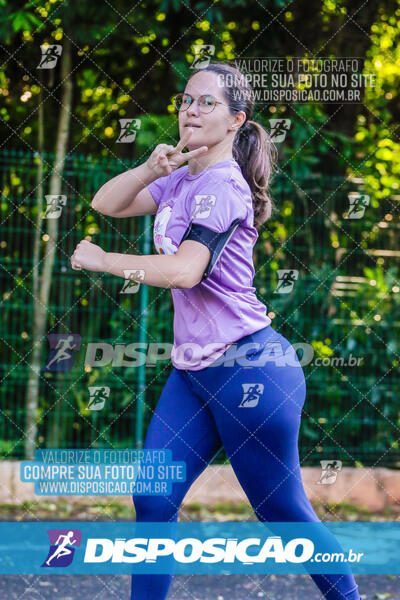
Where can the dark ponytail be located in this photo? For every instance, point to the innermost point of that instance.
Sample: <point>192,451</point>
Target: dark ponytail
<point>252,148</point>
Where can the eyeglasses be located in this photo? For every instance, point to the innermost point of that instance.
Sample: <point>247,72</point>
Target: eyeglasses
<point>206,102</point>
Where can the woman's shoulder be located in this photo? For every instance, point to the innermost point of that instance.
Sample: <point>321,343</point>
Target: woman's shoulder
<point>175,175</point>
<point>238,181</point>
<point>231,184</point>
<point>224,192</point>
<point>222,174</point>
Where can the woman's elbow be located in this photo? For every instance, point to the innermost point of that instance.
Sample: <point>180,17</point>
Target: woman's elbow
<point>188,280</point>
<point>191,261</point>
<point>100,201</point>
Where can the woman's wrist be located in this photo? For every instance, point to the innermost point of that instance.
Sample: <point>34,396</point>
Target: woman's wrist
<point>107,260</point>
<point>145,174</point>
<point>115,263</point>
<point>150,174</point>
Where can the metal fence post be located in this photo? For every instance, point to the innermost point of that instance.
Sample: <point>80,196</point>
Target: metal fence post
<point>144,294</point>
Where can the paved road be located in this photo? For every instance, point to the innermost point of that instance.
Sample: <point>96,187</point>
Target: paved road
<point>188,587</point>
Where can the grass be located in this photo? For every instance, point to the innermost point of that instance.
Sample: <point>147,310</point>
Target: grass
<point>87,509</point>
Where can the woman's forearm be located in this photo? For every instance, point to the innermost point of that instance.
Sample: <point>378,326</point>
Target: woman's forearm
<point>117,193</point>
<point>164,270</point>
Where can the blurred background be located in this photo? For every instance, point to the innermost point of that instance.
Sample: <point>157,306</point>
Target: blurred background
<point>61,111</point>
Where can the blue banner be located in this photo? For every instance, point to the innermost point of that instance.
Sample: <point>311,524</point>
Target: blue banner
<point>197,548</point>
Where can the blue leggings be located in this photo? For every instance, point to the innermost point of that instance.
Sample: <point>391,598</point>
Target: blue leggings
<point>199,412</point>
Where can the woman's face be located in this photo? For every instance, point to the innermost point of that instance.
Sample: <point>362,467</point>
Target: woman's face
<point>212,127</point>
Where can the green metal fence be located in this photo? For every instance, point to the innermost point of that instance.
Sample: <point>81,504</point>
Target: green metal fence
<point>344,303</point>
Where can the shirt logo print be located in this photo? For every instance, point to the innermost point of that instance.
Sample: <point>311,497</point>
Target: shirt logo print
<point>163,244</point>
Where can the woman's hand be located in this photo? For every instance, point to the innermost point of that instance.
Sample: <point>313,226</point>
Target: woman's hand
<point>88,256</point>
<point>165,159</point>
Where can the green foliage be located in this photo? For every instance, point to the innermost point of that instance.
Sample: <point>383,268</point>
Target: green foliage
<point>377,140</point>
<point>16,21</point>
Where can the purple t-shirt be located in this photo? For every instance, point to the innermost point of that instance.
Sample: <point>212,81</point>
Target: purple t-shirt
<point>223,307</point>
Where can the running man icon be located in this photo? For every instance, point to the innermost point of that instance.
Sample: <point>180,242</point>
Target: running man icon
<point>60,555</point>
<point>62,351</point>
<point>63,345</point>
<point>61,549</point>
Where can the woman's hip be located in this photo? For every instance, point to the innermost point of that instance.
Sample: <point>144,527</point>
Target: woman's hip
<point>262,360</point>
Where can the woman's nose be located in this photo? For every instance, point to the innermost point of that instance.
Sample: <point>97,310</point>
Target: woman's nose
<point>193,108</point>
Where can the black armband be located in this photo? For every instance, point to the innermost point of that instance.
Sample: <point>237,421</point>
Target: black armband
<point>214,241</point>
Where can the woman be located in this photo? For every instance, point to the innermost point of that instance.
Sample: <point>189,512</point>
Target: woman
<point>207,215</point>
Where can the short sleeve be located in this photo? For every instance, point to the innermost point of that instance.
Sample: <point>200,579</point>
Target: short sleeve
<point>157,188</point>
<point>217,206</point>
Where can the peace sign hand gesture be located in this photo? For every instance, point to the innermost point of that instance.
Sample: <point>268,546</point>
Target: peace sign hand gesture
<point>165,158</point>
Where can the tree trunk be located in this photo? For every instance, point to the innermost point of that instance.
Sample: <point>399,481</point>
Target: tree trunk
<point>42,285</point>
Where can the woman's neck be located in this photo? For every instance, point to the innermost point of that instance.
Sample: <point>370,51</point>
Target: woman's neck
<point>197,165</point>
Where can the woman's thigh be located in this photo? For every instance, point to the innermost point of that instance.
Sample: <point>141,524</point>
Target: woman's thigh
<point>182,423</point>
